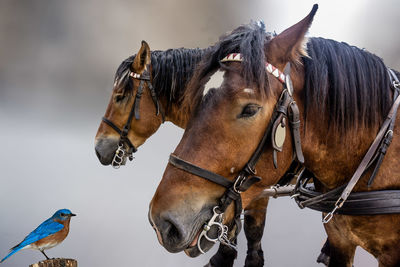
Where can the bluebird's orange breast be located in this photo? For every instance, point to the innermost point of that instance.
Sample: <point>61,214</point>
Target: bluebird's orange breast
<point>54,239</point>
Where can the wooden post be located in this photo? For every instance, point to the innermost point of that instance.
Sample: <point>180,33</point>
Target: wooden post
<point>56,263</point>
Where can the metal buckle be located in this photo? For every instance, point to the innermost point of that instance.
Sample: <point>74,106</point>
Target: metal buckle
<point>238,182</point>
<point>339,203</point>
<point>396,84</point>
<point>388,133</point>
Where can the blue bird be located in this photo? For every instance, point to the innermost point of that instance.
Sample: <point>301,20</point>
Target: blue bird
<point>47,235</point>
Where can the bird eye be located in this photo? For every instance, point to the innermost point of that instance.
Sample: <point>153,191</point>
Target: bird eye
<point>249,111</point>
<point>62,214</point>
<point>119,98</point>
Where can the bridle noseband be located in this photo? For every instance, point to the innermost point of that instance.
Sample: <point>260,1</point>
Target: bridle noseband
<point>122,153</point>
<point>285,108</point>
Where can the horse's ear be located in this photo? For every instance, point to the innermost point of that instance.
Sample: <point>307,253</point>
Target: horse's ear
<point>290,44</point>
<point>142,58</point>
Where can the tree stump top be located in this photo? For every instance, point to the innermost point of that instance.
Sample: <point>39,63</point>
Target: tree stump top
<point>56,263</point>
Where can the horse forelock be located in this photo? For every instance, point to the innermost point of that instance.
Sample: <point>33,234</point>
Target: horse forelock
<point>249,40</point>
<point>122,81</point>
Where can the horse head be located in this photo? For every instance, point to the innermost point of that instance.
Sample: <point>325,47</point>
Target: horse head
<point>134,112</point>
<point>190,210</point>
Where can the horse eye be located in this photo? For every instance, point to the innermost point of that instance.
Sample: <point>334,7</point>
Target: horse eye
<point>249,111</point>
<point>119,98</point>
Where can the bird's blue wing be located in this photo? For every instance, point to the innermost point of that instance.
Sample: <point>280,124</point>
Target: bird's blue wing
<point>47,228</point>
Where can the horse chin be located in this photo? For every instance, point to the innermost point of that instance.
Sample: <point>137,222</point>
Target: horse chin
<point>193,250</point>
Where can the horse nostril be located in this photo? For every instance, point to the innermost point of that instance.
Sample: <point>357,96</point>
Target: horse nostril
<point>105,149</point>
<point>172,235</point>
<point>103,158</point>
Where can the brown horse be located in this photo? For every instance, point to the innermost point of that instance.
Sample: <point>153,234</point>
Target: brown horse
<point>344,95</point>
<point>162,77</point>
<point>168,73</point>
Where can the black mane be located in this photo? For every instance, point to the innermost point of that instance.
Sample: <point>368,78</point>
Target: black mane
<point>349,86</point>
<point>171,70</point>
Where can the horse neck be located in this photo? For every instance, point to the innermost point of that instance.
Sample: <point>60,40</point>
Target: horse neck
<point>332,157</point>
<point>175,68</point>
<point>174,113</point>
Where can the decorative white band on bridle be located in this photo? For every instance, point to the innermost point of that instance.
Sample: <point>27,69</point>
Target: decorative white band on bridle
<point>137,75</point>
<point>134,75</point>
<point>268,66</point>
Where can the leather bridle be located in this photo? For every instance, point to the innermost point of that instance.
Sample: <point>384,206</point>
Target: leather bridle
<point>378,202</point>
<point>285,108</point>
<point>122,152</point>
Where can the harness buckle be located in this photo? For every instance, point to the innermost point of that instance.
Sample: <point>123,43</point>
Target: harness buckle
<point>339,203</point>
<point>388,133</point>
<point>251,170</point>
<point>238,183</point>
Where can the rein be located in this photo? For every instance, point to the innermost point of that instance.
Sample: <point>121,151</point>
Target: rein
<point>286,107</point>
<point>122,153</point>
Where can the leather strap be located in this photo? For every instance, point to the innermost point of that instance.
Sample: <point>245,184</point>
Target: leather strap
<point>122,138</point>
<point>295,127</point>
<point>112,125</point>
<point>156,102</point>
<point>196,170</point>
<point>370,154</point>
<point>358,203</point>
<point>136,104</point>
<point>389,134</point>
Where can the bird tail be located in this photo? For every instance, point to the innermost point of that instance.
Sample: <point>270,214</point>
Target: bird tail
<point>12,251</point>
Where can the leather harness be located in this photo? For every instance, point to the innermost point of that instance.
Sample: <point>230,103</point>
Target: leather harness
<point>342,200</point>
<point>121,153</point>
<point>373,202</point>
<point>285,107</point>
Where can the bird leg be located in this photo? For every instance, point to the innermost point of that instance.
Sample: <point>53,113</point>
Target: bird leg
<point>45,254</point>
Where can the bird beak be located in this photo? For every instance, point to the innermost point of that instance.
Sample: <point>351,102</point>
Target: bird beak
<point>72,215</point>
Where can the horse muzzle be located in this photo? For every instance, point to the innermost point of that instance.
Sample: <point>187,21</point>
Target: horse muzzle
<point>105,149</point>
<point>182,232</point>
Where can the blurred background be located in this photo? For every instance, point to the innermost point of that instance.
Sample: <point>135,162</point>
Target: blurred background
<point>57,64</point>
